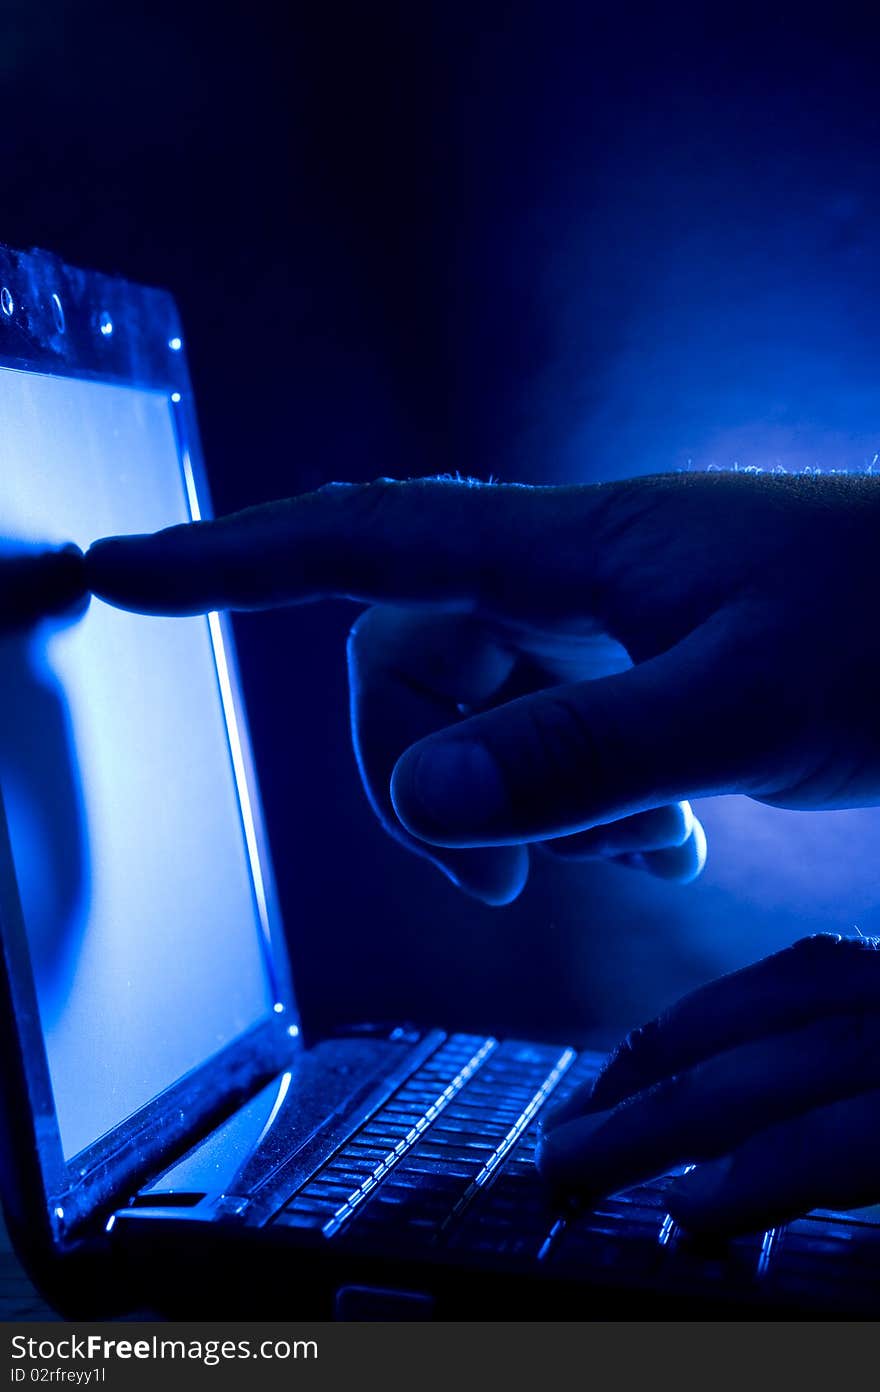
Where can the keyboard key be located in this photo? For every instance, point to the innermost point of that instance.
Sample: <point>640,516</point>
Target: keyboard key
<point>297,1218</point>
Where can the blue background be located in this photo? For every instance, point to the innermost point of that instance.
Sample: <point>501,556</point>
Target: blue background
<point>542,241</point>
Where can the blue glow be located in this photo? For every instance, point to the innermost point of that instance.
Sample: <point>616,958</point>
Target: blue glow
<point>192,497</point>
<point>494,1162</point>
<point>768,1242</point>
<point>106,324</point>
<point>124,818</point>
<point>547,1245</point>
<point>715,354</point>
<point>58,313</point>
<point>667,1228</point>
<point>244,797</point>
<point>388,1161</point>
<point>283,1090</point>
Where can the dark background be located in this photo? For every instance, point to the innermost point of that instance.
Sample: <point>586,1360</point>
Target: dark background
<point>544,241</point>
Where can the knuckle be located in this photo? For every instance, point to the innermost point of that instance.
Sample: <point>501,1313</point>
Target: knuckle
<point>622,1060</point>
<point>831,951</point>
<point>632,1063</point>
<point>641,1042</point>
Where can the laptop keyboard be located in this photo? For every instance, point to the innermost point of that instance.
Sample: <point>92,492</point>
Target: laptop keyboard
<point>448,1163</point>
<point>466,1117</point>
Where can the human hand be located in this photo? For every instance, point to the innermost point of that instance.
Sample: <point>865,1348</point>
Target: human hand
<point>771,1076</point>
<point>493,702</point>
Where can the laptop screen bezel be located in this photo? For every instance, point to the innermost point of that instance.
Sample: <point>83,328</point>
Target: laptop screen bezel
<point>59,327</point>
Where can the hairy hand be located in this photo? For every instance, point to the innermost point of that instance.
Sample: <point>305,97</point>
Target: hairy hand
<point>567,666</point>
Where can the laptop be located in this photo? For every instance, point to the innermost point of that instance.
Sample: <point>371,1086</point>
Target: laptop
<point>168,1140</point>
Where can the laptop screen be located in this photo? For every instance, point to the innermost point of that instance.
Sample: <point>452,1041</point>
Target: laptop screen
<point>139,886</point>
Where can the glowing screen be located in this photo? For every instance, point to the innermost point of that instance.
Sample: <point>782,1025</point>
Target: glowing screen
<point>115,765</point>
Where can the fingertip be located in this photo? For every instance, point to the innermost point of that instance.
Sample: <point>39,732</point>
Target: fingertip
<point>541,1153</point>
<point>493,899</point>
<point>701,848</point>
<point>101,548</point>
<point>564,1153</point>
<point>495,877</point>
<point>576,1105</point>
<point>145,574</point>
<point>547,1159</point>
<point>507,888</point>
<point>678,864</point>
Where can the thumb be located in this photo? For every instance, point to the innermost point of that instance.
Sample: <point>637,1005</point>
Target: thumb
<point>698,719</point>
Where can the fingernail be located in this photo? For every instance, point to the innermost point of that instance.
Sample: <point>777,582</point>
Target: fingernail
<point>449,788</point>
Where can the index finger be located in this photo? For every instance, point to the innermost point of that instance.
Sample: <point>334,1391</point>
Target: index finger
<point>446,544</point>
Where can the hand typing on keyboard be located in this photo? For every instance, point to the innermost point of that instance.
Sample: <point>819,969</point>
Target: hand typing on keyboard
<point>768,1078</point>
<point>565,667</point>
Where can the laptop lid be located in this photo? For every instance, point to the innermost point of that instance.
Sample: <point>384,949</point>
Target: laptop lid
<point>144,971</point>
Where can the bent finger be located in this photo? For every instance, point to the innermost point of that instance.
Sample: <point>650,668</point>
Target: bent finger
<point>828,1158</point>
<point>588,753</point>
<point>714,1106</point>
<point>816,976</point>
<point>436,542</point>
<point>667,841</point>
<point>677,864</point>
